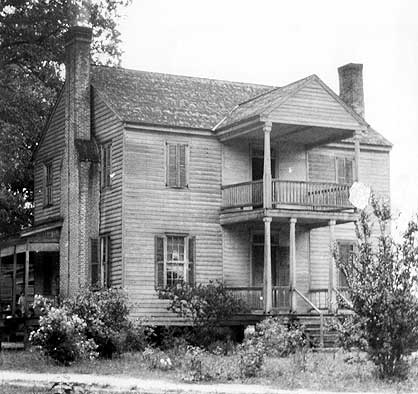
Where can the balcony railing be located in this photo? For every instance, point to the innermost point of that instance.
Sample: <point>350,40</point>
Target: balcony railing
<point>253,296</point>
<point>310,195</point>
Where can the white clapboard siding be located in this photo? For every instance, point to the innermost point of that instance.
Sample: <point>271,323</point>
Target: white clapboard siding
<point>51,151</point>
<point>374,171</point>
<point>106,127</point>
<point>151,208</point>
<point>314,106</point>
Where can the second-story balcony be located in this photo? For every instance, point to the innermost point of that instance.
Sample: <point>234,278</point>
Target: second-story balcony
<point>295,195</point>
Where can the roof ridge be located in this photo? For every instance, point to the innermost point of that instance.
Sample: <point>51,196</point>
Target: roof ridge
<point>216,80</point>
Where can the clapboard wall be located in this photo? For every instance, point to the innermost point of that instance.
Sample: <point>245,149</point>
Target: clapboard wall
<point>151,208</point>
<point>374,171</point>
<point>107,128</point>
<point>50,151</point>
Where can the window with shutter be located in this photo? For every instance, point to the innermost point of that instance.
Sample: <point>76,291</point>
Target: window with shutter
<point>106,165</point>
<point>176,176</point>
<point>47,184</point>
<point>94,263</point>
<point>175,258</point>
<point>345,170</point>
<point>345,251</point>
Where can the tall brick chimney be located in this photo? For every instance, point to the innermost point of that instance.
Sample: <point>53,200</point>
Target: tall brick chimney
<point>79,173</point>
<point>351,86</point>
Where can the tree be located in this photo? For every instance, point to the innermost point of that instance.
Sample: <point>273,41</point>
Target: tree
<point>31,76</point>
<point>382,279</point>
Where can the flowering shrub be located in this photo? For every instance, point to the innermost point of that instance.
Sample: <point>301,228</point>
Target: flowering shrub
<point>106,315</point>
<point>195,365</point>
<point>157,359</point>
<point>251,353</point>
<point>279,339</point>
<point>61,336</point>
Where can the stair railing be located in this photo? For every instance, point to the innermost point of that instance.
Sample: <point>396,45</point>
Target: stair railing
<point>344,298</point>
<point>321,315</point>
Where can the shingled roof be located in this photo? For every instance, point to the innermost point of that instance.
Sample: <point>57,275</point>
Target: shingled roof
<point>188,102</point>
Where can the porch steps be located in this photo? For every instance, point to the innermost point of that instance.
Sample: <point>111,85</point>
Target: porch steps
<point>312,328</point>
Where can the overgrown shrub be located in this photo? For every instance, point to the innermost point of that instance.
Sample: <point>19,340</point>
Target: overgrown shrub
<point>280,339</point>
<point>61,336</point>
<point>106,313</point>
<point>382,278</point>
<point>137,336</point>
<point>157,359</point>
<point>350,331</point>
<point>206,306</point>
<point>251,356</point>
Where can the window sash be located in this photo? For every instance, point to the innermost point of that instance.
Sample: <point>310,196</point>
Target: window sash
<point>174,260</point>
<point>344,170</point>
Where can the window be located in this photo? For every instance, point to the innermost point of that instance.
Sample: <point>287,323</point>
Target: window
<point>176,176</point>
<point>346,253</point>
<point>47,184</point>
<point>100,261</point>
<point>174,260</point>
<point>106,165</point>
<point>345,170</point>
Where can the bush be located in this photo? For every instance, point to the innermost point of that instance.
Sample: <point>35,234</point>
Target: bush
<point>382,278</point>
<point>61,336</point>
<point>206,306</point>
<point>106,315</point>
<point>251,357</point>
<point>280,339</point>
<point>138,336</point>
<point>157,359</point>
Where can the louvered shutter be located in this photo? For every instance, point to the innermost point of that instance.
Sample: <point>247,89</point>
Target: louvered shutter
<point>349,171</point>
<point>171,165</point>
<point>159,261</point>
<point>340,170</point>
<point>192,261</point>
<point>94,262</point>
<point>182,182</point>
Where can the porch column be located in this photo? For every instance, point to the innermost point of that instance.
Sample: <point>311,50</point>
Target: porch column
<point>332,269</point>
<point>357,156</point>
<point>27,256</point>
<point>267,289</point>
<point>292,263</point>
<point>267,167</point>
<point>14,282</point>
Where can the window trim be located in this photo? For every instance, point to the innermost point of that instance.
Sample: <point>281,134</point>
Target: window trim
<point>186,262</point>
<point>104,244</point>
<point>345,158</point>
<point>186,164</point>
<point>106,171</point>
<point>343,242</point>
<point>48,197</point>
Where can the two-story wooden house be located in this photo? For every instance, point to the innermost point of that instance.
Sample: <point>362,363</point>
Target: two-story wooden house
<point>144,179</point>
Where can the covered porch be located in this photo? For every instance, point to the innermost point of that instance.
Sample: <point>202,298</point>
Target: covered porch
<point>29,265</point>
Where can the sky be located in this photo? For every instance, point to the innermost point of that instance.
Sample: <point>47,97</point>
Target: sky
<point>278,42</point>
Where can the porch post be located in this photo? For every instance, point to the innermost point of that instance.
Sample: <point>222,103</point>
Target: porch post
<point>356,156</point>
<point>267,167</point>
<point>292,265</point>
<point>267,289</point>
<point>14,282</point>
<point>27,255</point>
<point>332,269</point>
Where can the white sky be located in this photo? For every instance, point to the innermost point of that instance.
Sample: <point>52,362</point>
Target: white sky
<point>277,42</point>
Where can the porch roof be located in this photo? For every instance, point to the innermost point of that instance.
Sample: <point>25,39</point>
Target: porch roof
<point>42,238</point>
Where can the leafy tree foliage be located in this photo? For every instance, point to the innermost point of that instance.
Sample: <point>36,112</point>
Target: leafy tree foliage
<point>382,279</point>
<point>31,76</point>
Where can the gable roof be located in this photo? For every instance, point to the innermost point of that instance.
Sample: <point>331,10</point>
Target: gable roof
<point>172,100</point>
<point>195,103</point>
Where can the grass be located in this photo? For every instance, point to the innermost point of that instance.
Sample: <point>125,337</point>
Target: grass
<point>320,371</point>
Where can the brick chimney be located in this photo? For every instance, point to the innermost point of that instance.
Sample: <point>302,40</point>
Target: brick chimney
<point>351,86</point>
<point>79,173</point>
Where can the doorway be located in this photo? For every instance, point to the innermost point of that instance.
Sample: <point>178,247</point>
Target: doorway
<point>279,261</point>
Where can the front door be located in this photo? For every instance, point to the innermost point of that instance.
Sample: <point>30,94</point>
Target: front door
<point>279,269</point>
